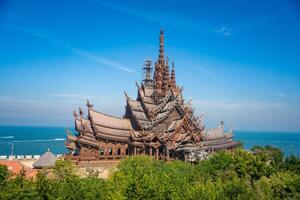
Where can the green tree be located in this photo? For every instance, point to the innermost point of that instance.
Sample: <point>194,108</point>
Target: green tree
<point>19,188</point>
<point>44,186</point>
<point>281,185</point>
<point>273,155</point>
<point>292,163</point>
<point>225,175</point>
<point>215,164</point>
<point>4,173</point>
<point>64,169</point>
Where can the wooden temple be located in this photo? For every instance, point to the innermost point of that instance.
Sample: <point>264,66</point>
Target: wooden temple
<point>158,123</point>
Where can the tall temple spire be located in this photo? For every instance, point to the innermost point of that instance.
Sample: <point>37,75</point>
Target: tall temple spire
<point>159,66</point>
<point>161,47</point>
<point>173,78</point>
<point>88,104</point>
<point>166,78</point>
<point>148,81</point>
<point>80,112</point>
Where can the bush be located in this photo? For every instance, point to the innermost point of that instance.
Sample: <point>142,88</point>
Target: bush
<point>239,174</point>
<point>3,174</point>
<point>292,163</point>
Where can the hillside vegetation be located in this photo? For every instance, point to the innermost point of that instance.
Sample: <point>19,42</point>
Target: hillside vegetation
<point>264,174</point>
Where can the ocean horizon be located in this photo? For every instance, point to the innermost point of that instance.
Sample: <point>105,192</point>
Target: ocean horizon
<point>35,140</point>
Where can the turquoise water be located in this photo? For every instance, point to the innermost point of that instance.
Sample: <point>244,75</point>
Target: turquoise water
<point>288,142</point>
<point>36,140</point>
<point>31,140</point>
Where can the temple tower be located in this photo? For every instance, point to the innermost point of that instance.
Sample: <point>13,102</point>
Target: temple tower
<point>173,78</point>
<point>158,123</point>
<point>148,81</point>
<point>166,77</point>
<point>161,48</point>
<point>159,67</point>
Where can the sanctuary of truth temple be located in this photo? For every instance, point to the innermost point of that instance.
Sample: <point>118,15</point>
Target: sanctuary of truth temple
<point>157,123</point>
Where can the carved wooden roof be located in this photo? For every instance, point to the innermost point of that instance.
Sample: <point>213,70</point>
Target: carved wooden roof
<point>213,134</point>
<point>108,121</point>
<point>158,113</point>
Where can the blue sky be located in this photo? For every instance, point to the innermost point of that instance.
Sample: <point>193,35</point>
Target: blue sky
<point>239,61</point>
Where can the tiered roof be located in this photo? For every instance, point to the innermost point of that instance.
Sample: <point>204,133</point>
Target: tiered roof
<point>157,114</point>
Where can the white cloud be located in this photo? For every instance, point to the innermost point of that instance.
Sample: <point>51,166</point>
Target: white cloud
<point>249,114</point>
<point>76,51</point>
<point>287,96</point>
<point>204,71</point>
<point>102,60</point>
<point>224,30</point>
<point>127,10</point>
<point>165,19</point>
<point>70,96</point>
<point>16,100</point>
<point>238,105</point>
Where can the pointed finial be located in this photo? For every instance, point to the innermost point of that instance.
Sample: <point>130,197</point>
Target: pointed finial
<point>222,123</point>
<point>231,128</point>
<point>161,46</point>
<point>190,101</point>
<point>161,36</point>
<point>202,114</point>
<point>80,112</point>
<point>68,131</point>
<point>137,85</point>
<point>127,97</point>
<point>148,62</point>
<point>148,81</point>
<point>173,77</point>
<point>88,104</point>
<point>75,114</point>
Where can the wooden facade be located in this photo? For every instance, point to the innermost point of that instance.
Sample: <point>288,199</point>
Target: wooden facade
<point>158,123</point>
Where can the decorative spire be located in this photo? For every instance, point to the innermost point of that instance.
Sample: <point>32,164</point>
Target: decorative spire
<point>221,124</point>
<point>80,112</point>
<point>127,97</point>
<point>158,76</point>
<point>88,104</point>
<point>161,47</point>
<point>173,78</point>
<point>68,131</point>
<point>166,79</point>
<point>148,81</point>
<point>159,66</point>
<point>137,85</point>
<point>155,70</point>
<point>75,114</point>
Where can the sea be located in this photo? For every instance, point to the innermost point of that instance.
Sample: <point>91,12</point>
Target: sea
<point>26,140</point>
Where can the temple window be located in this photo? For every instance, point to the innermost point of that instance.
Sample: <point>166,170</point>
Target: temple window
<point>101,151</point>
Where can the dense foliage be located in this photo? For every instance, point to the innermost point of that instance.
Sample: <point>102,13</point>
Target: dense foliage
<point>264,174</point>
